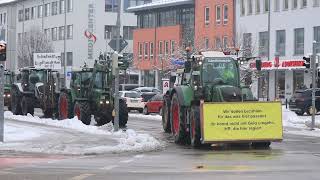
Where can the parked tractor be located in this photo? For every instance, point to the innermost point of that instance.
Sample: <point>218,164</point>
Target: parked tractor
<point>91,93</point>
<point>8,80</point>
<point>35,88</point>
<point>206,105</point>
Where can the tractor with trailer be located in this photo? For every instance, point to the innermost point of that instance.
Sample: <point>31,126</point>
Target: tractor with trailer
<point>35,88</point>
<point>91,93</point>
<point>8,80</point>
<point>207,105</point>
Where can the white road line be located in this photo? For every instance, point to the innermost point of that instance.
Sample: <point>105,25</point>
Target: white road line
<point>81,176</point>
<point>109,167</point>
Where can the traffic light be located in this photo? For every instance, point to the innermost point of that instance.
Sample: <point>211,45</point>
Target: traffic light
<point>3,51</point>
<point>306,62</point>
<point>258,64</point>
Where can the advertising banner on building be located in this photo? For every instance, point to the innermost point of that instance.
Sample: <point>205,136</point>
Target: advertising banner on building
<point>244,121</point>
<point>47,60</point>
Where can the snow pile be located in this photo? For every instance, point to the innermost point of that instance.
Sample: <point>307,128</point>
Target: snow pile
<point>149,117</point>
<point>128,140</point>
<point>291,119</point>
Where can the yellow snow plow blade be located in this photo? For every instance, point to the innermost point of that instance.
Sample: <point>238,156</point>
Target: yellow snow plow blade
<point>241,121</point>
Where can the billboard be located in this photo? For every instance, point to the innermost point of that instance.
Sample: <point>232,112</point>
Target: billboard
<point>47,60</point>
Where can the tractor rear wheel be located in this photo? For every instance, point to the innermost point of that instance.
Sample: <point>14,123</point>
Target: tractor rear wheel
<point>65,106</point>
<point>195,132</point>
<point>15,102</point>
<point>261,145</point>
<point>178,117</point>
<point>82,111</point>
<point>166,124</point>
<point>123,113</point>
<point>27,105</point>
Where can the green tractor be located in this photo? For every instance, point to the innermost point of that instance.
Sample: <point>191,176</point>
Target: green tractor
<point>8,80</point>
<point>35,88</point>
<point>91,93</point>
<point>211,78</point>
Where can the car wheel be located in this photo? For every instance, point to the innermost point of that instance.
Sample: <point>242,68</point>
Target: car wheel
<point>299,113</point>
<point>145,110</point>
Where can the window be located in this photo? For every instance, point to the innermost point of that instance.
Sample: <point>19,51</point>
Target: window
<point>33,12</point>
<point>173,44</point>
<point>247,45</point>
<point>128,32</point>
<point>140,50</point>
<point>299,41</point>
<point>218,43</point>
<point>1,19</point>
<point>316,3</point>
<point>62,6</point>
<point>207,15</point>
<point>166,47</point>
<point>19,38</point>
<point>54,34</point>
<point>111,5</point>
<point>110,31</point>
<point>69,31</point>
<point>61,32</point>
<point>316,36</point>
<point>249,7</point>
<point>294,4</point>
<point>40,11</point>
<point>151,49</point>
<point>225,14</point>
<point>218,14</point>
<point>27,14</point>
<point>276,5</point>
<point>54,9</point>
<point>69,58</point>
<point>281,42</point>
<point>69,5</point>
<point>243,10</point>
<point>47,33</point>
<point>160,48</point>
<point>257,6</point>
<point>21,14</point>
<point>46,10</point>
<point>263,44</point>
<point>146,50</point>
<point>266,5</point>
<point>225,42</point>
<point>303,3</point>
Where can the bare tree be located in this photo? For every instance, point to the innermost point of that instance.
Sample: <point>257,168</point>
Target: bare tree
<point>33,41</point>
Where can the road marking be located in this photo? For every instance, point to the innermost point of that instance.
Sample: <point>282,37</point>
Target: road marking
<point>81,176</point>
<point>109,167</point>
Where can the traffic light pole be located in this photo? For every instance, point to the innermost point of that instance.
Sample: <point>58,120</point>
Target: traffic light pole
<point>1,103</point>
<point>314,69</point>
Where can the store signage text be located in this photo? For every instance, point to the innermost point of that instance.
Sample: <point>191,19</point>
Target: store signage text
<point>285,64</point>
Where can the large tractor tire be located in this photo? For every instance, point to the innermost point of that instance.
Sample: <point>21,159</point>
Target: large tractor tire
<point>65,106</point>
<point>27,105</point>
<point>261,145</point>
<point>195,131</point>
<point>178,120</point>
<point>166,124</point>
<point>15,102</point>
<point>123,113</point>
<point>82,111</point>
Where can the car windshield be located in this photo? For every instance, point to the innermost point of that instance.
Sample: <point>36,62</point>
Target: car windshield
<point>132,95</point>
<point>220,69</point>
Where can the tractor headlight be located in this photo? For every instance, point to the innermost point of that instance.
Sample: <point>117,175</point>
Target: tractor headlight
<point>101,102</point>
<point>200,63</point>
<point>4,95</point>
<point>8,95</point>
<point>195,88</point>
<point>107,102</point>
<point>25,84</point>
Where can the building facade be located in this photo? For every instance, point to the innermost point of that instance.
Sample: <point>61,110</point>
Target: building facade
<point>292,28</point>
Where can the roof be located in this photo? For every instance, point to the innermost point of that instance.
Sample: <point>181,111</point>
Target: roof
<point>160,4</point>
<point>213,54</point>
<point>2,2</point>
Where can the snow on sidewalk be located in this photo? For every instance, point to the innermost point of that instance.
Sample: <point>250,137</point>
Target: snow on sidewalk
<point>128,140</point>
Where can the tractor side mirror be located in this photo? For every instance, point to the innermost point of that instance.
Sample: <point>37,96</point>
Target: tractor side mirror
<point>187,66</point>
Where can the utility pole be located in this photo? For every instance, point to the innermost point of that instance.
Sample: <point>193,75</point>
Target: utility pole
<point>1,103</point>
<point>314,69</point>
<point>269,30</point>
<point>65,45</point>
<point>116,83</point>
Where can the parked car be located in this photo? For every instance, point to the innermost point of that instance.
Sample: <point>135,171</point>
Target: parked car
<point>154,105</point>
<point>133,99</point>
<point>301,102</point>
<point>142,90</point>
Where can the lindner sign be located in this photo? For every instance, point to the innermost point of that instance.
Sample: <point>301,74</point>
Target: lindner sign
<point>89,33</point>
<point>47,60</point>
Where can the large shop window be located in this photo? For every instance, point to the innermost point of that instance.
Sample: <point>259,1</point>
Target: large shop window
<point>280,84</point>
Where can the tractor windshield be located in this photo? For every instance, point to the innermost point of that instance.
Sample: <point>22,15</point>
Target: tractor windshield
<point>37,76</point>
<point>8,79</point>
<point>220,70</point>
<point>100,81</point>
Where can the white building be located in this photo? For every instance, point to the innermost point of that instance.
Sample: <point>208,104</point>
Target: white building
<point>293,27</point>
<point>17,17</point>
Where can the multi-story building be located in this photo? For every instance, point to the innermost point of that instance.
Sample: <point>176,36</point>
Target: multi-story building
<point>292,28</point>
<point>166,27</point>
<point>52,16</point>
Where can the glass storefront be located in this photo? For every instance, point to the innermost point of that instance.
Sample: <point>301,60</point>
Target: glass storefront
<point>298,80</point>
<point>263,85</point>
<point>280,84</point>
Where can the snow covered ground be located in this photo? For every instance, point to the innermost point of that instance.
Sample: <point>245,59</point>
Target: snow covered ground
<point>35,135</point>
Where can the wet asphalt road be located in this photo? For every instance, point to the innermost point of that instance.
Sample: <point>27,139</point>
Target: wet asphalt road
<point>297,157</point>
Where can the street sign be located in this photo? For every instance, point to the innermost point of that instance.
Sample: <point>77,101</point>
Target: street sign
<point>165,85</point>
<point>113,44</point>
<point>47,60</point>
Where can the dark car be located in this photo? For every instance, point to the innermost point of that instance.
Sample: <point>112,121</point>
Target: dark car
<point>154,105</point>
<point>301,102</point>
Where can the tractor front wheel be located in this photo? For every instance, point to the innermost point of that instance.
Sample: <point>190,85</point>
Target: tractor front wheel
<point>65,106</point>
<point>195,132</point>
<point>27,105</point>
<point>15,102</point>
<point>178,116</point>
<point>166,124</point>
<point>82,111</point>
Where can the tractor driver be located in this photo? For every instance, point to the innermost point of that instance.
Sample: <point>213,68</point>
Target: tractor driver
<point>228,74</point>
